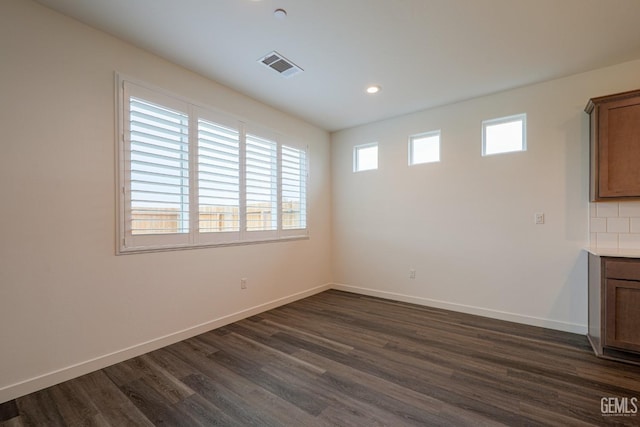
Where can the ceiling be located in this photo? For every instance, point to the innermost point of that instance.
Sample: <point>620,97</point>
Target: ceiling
<point>424,53</point>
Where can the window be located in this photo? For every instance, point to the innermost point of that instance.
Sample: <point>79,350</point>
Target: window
<point>365,157</point>
<point>218,178</point>
<point>159,169</point>
<point>191,177</point>
<point>261,184</point>
<point>424,148</point>
<point>504,135</point>
<point>294,188</point>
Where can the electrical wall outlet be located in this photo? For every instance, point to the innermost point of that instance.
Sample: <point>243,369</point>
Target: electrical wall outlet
<point>539,217</point>
<point>243,283</point>
<point>412,273</point>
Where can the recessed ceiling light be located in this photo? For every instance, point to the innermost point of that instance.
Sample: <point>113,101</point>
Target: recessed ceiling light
<point>374,89</point>
<point>280,13</point>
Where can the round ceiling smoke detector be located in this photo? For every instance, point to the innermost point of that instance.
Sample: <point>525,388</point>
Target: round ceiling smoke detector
<point>280,13</point>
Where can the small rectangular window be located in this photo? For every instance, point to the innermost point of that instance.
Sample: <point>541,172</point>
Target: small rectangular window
<point>365,157</point>
<point>424,148</point>
<point>504,135</point>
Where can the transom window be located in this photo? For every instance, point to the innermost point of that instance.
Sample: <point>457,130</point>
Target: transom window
<point>192,177</point>
<point>504,135</point>
<point>424,148</point>
<point>365,157</point>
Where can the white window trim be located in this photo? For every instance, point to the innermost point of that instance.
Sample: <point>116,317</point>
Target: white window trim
<point>355,156</point>
<point>128,243</point>
<point>429,134</point>
<point>507,119</point>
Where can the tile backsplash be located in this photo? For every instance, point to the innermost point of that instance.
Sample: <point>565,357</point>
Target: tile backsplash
<point>615,225</point>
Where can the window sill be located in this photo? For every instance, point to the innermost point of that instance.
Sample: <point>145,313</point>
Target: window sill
<point>151,249</point>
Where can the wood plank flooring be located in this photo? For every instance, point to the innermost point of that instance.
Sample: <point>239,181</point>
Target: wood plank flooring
<point>340,359</point>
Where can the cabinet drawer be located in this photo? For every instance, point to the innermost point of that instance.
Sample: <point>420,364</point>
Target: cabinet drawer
<point>625,270</point>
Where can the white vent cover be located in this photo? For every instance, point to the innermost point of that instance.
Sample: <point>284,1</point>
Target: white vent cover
<point>279,63</point>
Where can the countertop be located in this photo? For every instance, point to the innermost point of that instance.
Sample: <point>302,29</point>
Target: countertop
<point>622,253</point>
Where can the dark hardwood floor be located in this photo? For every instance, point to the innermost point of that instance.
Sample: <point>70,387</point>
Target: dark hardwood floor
<point>340,359</point>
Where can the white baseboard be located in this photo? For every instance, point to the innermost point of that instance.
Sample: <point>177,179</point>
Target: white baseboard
<point>480,311</point>
<point>40,382</point>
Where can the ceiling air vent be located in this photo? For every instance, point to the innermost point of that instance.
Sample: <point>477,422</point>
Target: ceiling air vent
<point>282,65</point>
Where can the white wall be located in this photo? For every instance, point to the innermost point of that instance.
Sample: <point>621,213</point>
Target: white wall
<point>466,224</point>
<point>68,305</point>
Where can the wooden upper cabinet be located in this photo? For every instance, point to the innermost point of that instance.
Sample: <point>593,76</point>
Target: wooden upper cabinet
<point>615,146</point>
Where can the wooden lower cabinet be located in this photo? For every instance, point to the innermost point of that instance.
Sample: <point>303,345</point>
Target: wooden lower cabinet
<point>614,307</point>
<point>622,314</point>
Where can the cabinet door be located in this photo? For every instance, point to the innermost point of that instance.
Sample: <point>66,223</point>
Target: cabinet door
<point>622,314</point>
<point>619,148</point>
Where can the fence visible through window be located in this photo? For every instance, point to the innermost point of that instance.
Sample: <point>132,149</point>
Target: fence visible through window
<point>214,218</point>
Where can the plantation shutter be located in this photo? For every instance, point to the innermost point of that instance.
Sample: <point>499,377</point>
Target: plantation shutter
<point>218,178</point>
<point>294,188</point>
<point>261,184</point>
<point>159,169</point>
<point>192,177</point>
